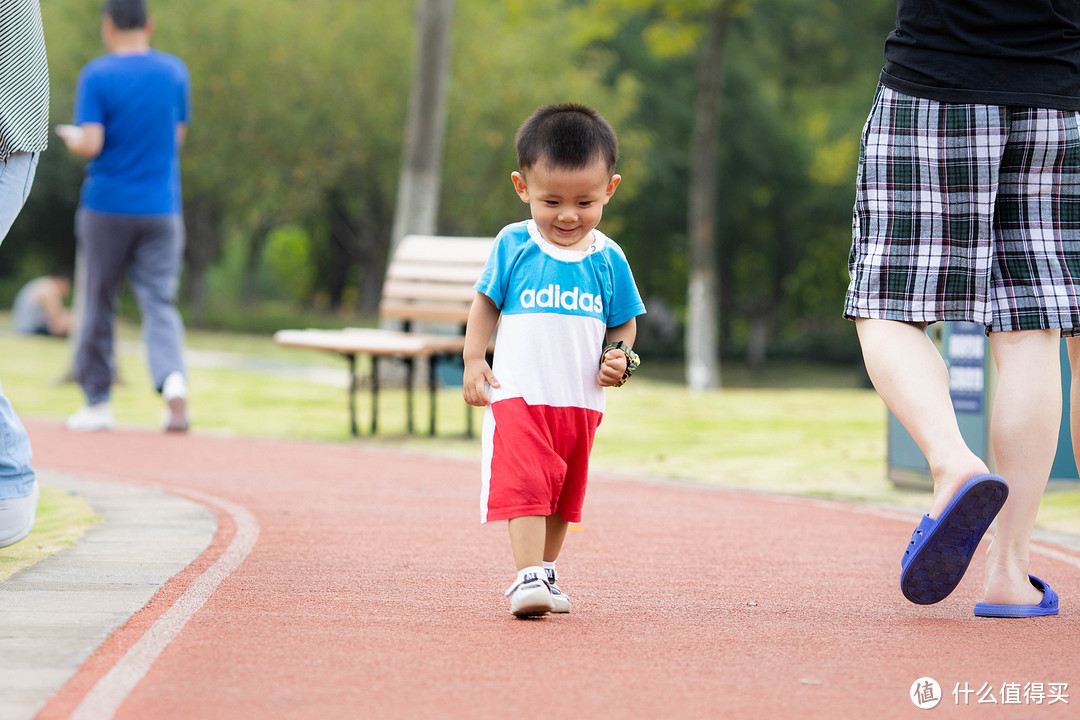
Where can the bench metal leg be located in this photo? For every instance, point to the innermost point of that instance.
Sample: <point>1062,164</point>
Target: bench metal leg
<point>352,396</point>
<point>374,394</point>
<point>409,364</point>
<point>433,365</point>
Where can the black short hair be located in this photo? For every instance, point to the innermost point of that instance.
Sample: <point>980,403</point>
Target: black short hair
<point>566,135</point>
<point>126,14</point>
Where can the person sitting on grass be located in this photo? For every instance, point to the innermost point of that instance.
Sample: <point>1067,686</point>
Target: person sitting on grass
<point>39,307</point>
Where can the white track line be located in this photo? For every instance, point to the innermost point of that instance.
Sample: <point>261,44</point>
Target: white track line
<point>110,692</point>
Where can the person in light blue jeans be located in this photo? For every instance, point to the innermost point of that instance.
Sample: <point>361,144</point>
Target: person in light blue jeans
<point>24,133</point>
<point>18,486</point>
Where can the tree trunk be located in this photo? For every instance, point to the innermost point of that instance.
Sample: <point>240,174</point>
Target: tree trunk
<point>761,324</point>
<point>78,304</point>
<point>702,349</point>
<point>202,224</point>
<point>418,187</point>
<point>249,291</point>
<point>417,210</point>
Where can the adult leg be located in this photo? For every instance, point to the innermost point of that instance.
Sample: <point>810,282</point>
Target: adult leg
<point>156,260</point>
<point>910,375</point>
<point>18,486</point>
<point>1073,346</point>
<point>155,277</point>
<point>104,241</point>
<point>1024,429</point>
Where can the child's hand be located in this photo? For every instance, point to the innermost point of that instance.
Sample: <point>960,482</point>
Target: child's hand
<point>473,386</point>
<point>612,369</point>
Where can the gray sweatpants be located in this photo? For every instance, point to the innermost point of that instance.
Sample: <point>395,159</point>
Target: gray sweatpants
<point>149,249</point>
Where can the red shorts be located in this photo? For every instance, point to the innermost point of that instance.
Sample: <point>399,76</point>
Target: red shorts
<point>536,459</point>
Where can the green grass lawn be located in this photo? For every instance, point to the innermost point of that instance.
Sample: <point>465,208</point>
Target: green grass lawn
<point>61,520</point>
<point>797,430</point>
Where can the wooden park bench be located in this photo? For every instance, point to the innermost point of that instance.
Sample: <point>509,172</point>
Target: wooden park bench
<point>429,280</point>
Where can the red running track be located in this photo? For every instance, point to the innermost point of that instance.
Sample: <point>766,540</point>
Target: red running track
<point>372,591</point>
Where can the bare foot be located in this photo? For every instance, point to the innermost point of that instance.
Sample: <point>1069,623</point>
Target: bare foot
<point>1008,584</point>
<point>948,479</point>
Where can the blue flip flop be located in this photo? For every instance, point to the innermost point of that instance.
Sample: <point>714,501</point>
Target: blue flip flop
<point>1048,606</point>
<point>941,549</point>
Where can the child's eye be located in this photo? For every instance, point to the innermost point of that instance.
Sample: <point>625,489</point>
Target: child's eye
<point>585,204</point>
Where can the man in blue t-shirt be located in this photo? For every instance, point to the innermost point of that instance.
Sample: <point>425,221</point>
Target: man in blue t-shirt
<point>132,107</point>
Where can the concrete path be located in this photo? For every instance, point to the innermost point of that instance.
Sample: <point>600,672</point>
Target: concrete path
<point>55,614</point>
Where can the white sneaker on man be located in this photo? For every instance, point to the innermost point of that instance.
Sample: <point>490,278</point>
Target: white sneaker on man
<point>17,517</point>
<point>174,391</point>
<point>530,595</point>
<point>89,418</point>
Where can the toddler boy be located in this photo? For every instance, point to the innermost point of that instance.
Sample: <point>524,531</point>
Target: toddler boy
<point>565,300</point>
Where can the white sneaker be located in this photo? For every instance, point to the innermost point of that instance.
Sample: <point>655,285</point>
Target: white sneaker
<point>89,418</point>
<point>530,597</point>
<point>560,601</point>
<point>174,392</point>
<point>17,517</point>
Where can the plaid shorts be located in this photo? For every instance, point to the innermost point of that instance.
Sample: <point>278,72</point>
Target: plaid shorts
<point>967,212</point>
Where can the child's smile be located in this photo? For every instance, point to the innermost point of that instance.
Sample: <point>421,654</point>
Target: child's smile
<point>566,204</point>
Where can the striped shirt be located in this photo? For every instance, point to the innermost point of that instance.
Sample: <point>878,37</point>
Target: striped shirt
<point>24,79</point>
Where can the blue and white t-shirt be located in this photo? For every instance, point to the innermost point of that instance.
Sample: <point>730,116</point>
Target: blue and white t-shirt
<point>556,306</point>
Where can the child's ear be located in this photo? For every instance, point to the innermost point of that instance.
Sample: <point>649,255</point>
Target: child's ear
<point>519,186</point>
<point>612,184</point>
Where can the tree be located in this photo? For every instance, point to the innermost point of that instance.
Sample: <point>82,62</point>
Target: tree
<point>679,27</point>
<point>421,168</point>
<point>795,92</point>
<point>702,349</point>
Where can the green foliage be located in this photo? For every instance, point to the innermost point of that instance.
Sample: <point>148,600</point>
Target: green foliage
<point>510,59</point>
<point>288,258</point>
<point>299,113</point>
<point>61,520</point>
<point>798,80</point>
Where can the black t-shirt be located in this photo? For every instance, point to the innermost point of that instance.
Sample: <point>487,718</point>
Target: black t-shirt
<point>993,52</point>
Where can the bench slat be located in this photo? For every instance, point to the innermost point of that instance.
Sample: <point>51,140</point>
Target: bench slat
<point>425,312</point>
<point>457,274</point>
<point>399,290</point>
<point>440,249</point>
<point>372,341</point>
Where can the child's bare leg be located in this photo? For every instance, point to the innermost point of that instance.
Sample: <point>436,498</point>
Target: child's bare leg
<point>910,376</point>
<point>556,534</point>
<point>1024,430</point>
<point>527,538</point>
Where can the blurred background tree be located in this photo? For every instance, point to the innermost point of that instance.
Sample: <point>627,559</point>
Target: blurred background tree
<point>292,161</point>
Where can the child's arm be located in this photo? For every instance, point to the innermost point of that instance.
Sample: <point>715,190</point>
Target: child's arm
<point>614,364</point>
<point>483,317</point>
